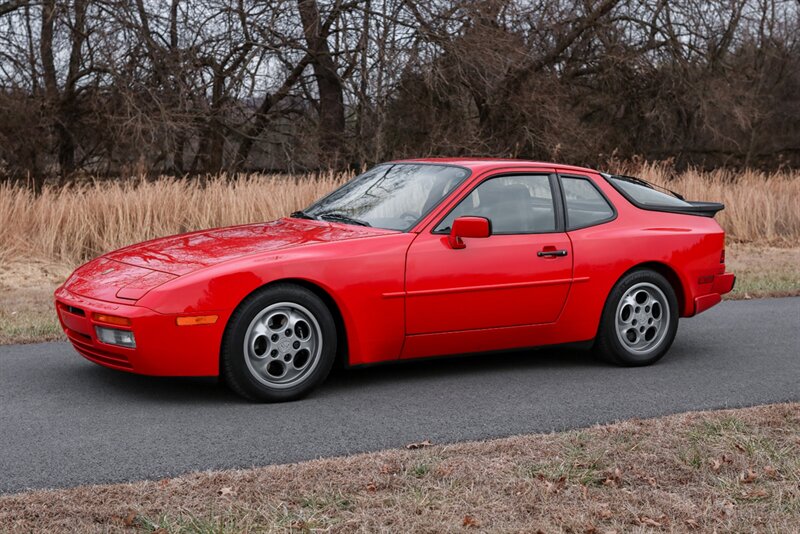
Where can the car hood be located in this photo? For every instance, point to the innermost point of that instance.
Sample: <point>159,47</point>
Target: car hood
<point>127,274</point>
<point>185,253</point>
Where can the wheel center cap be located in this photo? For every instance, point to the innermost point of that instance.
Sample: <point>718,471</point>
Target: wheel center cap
<point>284,345</point>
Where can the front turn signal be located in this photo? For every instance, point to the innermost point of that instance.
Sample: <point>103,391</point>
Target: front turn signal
<point>111,319</point>
<point>196,320</point>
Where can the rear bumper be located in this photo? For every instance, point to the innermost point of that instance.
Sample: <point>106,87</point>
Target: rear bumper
<point>162,347</point>
<point>722,283</point>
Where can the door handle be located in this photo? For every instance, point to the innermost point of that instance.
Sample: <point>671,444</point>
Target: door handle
<point>551,253</point>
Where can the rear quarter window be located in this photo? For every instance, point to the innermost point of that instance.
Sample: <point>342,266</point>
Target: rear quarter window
<point>586,206</point>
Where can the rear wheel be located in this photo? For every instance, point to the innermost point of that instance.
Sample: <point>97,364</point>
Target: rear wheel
<point>280,344</point>
<point>639,321</point>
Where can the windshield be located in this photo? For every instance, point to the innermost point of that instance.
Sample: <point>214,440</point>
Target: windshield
<point>394,196</point>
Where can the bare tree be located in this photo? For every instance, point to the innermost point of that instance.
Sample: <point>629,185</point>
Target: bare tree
<point>109,87</point>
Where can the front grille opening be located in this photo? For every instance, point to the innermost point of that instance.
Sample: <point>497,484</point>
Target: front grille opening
<point>79,335</point>
<point>73,310</point>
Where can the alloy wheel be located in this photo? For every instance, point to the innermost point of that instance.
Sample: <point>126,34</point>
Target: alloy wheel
<point>282,345</point>
<point>642,318</point>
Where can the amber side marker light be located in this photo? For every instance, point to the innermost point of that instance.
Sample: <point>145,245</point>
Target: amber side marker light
<point>111,319</point>
<point>197,319</point>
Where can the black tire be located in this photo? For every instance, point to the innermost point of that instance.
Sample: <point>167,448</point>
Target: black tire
<point>247,371</point>
<point>609,344</point>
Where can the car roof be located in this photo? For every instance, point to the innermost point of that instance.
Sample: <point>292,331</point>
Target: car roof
<point>480,164</point>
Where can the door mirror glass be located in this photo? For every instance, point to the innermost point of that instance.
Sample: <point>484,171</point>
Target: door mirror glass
<point>475,227</point>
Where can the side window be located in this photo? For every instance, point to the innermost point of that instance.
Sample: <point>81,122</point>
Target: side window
<point>520,204</point>
<point>585,205</point>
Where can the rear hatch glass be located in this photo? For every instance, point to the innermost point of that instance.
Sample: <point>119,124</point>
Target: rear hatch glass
<point>647,196</point>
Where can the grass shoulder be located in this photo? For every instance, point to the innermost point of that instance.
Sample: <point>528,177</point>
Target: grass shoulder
<point>731,470</point>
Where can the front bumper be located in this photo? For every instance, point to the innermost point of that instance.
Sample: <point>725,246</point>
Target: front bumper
<point>162,347</point>
<point>722,283</point>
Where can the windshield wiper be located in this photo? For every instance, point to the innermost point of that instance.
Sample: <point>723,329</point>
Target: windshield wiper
<point>300,214</point>
<point>341,217</point>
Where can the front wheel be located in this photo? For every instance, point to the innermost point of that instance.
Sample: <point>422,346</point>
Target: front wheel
<point>279,345</point>
<point>639,321</point>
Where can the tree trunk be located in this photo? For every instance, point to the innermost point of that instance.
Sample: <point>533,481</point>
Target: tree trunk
<point>329,85</point>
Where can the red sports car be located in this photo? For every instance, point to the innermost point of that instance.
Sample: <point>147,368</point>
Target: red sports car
<point>410,259</point>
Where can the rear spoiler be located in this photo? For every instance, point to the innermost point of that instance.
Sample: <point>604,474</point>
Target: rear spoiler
<point>702,209</point>
<point>706,209</point>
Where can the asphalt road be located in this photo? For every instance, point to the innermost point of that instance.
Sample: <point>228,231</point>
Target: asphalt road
<point>66,422</point>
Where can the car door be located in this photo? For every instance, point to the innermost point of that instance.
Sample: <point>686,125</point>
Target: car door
<point>519,275</point>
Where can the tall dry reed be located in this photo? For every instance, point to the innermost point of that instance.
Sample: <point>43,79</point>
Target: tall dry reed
<point>762,208</point>
<point>73,223</point>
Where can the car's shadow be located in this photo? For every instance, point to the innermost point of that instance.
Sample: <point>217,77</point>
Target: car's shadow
<point>463,366</point>
<point>211,391</point>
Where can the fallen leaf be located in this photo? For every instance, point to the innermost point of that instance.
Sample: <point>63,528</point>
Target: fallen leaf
<point>605,514</point>
<point>715,464</point>
<point>390,469</point>
<point>554,487</point>
<point>419,445</point>
<point>692,524</point>
<point>649,521</point>
<point>725,508</point>
<point>227,490</point>
<point>771,472</point>
<point>371,487</point>
<point>130,519</point>
<point>613,479</point>
<point>444,471</point>
<point>470,521</point>
<point>748,477</point>
<point>756,494</point>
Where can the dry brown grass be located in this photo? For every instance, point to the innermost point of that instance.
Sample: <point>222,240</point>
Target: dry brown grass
<point>27,314</point>
<point>762,208</point>
<point>77,222</point>
<point>725,471</point>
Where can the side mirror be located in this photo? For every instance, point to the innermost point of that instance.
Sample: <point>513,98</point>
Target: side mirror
<point>468,227</point>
